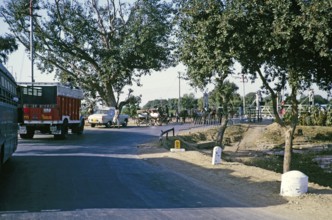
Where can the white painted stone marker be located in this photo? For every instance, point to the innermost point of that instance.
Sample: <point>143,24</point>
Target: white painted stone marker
<point>293,183</point>
<point>216,157</point>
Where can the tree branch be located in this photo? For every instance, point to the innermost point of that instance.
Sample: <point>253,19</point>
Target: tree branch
<point>273,97</point>
<point>101,23</point>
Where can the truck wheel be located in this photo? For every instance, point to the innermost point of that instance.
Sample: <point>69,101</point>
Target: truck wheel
<point>29,135</point>
<point>26,136</point>
<point>81,127</point>
<point>78,128</point>
<point>64,131</point>
<point>93,125</point>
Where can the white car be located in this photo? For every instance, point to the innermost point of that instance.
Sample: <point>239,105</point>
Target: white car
<point>104,116</point>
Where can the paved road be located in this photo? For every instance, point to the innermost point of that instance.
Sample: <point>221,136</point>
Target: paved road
<point>99,176</point>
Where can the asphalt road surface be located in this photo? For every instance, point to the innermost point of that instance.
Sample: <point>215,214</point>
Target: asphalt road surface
<point>99,176</point>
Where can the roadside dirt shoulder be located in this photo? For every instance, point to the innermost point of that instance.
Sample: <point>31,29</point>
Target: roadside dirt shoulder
<point>253,186</point>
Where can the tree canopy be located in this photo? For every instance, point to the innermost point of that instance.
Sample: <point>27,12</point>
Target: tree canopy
<point>102,48</point>
<point>188,101</point>
<point>7,46</point>
<point>199,45</point>
<point>281,41</point>
<point>290,39</point>
<point>205,53</point>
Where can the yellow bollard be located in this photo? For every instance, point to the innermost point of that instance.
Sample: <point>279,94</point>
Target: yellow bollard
<point>177,144</point>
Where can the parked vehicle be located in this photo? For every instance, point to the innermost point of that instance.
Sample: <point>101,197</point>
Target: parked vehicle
<point>105,116</point>
<point>8,115</point>
<point>51,108</point>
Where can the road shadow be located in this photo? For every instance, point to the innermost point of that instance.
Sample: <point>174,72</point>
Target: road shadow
<point>98,171</point>
<point>37,183</point>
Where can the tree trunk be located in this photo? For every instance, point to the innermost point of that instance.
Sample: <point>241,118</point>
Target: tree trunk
<point>288,148</point>
<point>110,96</point>
<point>221,131</point>
<point>290,129</point>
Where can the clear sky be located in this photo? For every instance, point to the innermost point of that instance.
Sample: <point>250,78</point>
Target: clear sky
<point>158,85</point>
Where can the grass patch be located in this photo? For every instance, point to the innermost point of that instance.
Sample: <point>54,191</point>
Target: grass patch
<point>301,162</point>
<point>323,137</point>
<point>317,134</point>
<point>268,162</point>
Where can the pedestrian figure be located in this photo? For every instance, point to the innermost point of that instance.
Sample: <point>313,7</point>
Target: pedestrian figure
<point>116,118</point>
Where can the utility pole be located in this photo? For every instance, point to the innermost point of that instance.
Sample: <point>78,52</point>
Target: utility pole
<point>258,105</point>
<point>179,100</point>
<point>31,41</point>
<point>244,80</point>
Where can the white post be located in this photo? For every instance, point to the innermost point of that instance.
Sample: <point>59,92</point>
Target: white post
<point>216,157</point>
<point>293,183</point>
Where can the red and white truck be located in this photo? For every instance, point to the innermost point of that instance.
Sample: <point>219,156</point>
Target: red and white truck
<point>51,108</point>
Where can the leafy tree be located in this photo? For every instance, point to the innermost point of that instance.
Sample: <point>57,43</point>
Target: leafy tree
<point>155,103</point>
<point>188,101</point>
<point>281,41</point>
<point>224,93</point>
<point>318,99</point>
<point>198,44</point>
<point>200,49</point>
<point>149,104</point>
<point>200,103</point>
<point>250,98</point>
<point>130,109</point>
<point>173,104</point>
<point>7,46</point>
<point>290,40</point>
<point>102,48</point>
<point>233,98</point>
